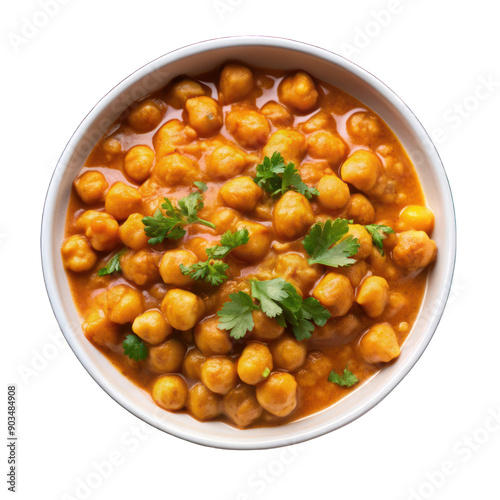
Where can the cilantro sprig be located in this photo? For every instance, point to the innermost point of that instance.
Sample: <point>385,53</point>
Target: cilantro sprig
<point>134,347</point>
<point>213,270</point>
<point>328,244</point>
<point>113,265</point>
<point>171,225</point>
<point>277,177</point>
<point>347,379</point>
<point>379,233</point>
<point>276,299</point>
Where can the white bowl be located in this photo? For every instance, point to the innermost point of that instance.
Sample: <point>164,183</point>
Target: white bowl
<point>272,53</point>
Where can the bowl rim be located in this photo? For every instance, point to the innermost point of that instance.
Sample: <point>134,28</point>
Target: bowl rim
<point>265,41</point>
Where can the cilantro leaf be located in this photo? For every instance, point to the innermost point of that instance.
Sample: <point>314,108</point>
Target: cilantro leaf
<point>276,177</point>
<point>236,315</point>
<point>379,232</point>
<point>328,244</point>
<point>113,265</point>
<point>268,293</point>
<point>134,347</point>
<point>347,379</point>
<point>312,309</point>
<point>171,225</point>
<point>266,372</point>
<point>213,270</point>
<point>201,186</point>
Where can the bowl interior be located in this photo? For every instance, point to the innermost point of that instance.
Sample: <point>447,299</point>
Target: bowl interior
<point>272,53</point>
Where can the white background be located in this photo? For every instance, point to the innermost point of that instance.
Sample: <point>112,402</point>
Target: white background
<point>436,55</point>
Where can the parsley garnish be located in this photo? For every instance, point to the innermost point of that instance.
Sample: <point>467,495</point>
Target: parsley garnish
<point>378,233</point>
<point>347,379</point>
<point>213,270</point>
<point>171,225</point>
<point>113,265</point>
<point>134,347</point>
<point>277,299</point>
<point>277,177</point>
<point>328,244</point>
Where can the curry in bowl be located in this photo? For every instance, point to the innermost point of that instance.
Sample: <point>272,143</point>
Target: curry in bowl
<point>249,246</point>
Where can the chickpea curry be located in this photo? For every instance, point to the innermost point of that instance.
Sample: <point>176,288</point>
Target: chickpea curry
<point>248,246</point>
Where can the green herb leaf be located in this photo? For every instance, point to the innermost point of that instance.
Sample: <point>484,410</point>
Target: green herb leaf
<point>379,233</point>
<point>171,225</point>
<point>266,372</point>
<point>347,379</point>
<point>113,265</point>
<point>328,244</point>
<point>236,315</point>
<point>276,177</point>
<point>268,293</point>
<point>213,270</point>
<point>201,186</point>
<point>134,348</point>
<point>312,309</point>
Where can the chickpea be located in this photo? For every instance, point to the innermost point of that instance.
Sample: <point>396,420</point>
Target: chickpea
<point>316,367</point>
<point>355,273</point>
<point>319,121</point>
<point>132,232</point>
<point>241,193</point>
<point>327,146</point>
<point>241,405</point>
<point>294,266</point>
<point>364,126</point>
<point>91,186</point>
<point>211,340</point>
<point>140,267</point>
<point>292,216</point>
<point>278,394</point>
<point>182,309</point>
<point>236,82</point>
<point>170,267</point>
<point>253,362</point>
<point>193,361</point>
<point>179,92</point>
<point>83,221</point>
<point>202,403</point>
<point>397,301</point>
<point>172,135</point>
<point>312,172</point>
<point>204,115</point>
<point>290,143</point>
<point>288,353</point>
<point>333,193</point>
<point>99,329</point>
<point>265,328</point>
<point>360,210</point>
<point>122,201</point>
<point>175,169</point>
<point>249,128</point>
<point>77,254</point>
<point>361,169</point>
<point>198,246</point>
<point>373,295</point>
<point>258,244</point>
<point>170,392</point>
<point>167,357</point>
<point>338,331</point>
<point>145,117</point>
<point>226,162</point>
<point>219,374</point>
<point>298,92</point>
<point>418,218</point>
<point>414,250</point>
<point>124,304</point>
<point>364,240</point>
<point>139,162</point>
<point>225,219</point>
<point>152,327</point>
<point>102,231</point>
<point>277,114</point>
<point>379,344</point>
<point>335,292</point>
